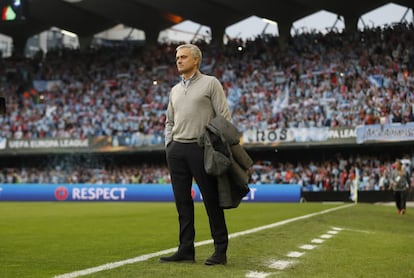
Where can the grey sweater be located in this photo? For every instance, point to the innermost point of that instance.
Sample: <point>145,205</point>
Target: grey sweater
<point>399,180</point>
<point>191,107</point>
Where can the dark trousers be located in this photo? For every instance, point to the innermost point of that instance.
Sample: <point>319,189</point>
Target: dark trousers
<point>400,198</point>
<point>185,162</point>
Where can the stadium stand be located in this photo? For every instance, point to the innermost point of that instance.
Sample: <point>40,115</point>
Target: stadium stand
<point>337,80</point>
<point>119,93</point>
<point>332,80</point>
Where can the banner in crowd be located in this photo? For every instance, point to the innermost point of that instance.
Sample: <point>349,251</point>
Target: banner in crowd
<point>133,192</point>
<point>253,137</point>
<point>298,136</point>
<point>385,133</point>
<point>95,144</point>
<point>266,137</point>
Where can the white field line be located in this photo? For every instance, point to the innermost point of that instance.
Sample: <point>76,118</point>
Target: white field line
<point>282,264</point>
<point>307,247</point>
<point>317,240</point>
<point>295,254</point>
<point>145,257</point>
<point>287,221</point>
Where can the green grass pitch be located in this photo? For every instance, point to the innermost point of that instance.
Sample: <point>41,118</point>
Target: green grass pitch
<point>42,239</point>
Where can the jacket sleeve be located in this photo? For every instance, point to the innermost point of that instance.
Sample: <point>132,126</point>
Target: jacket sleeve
<point>240,155</point>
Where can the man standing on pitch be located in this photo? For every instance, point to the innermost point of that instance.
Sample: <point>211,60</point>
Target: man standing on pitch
<point>400,186</point>
<point>193,102</point>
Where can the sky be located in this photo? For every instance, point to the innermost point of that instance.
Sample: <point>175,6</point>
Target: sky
<point>252,26</point>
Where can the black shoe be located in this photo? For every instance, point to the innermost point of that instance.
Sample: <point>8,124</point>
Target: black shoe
<point>178,258</point>
<point>216,259</point>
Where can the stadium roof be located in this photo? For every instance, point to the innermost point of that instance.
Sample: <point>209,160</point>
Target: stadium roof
<point>88,17</point>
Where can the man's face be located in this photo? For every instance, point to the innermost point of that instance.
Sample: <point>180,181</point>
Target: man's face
<point>185,62</point>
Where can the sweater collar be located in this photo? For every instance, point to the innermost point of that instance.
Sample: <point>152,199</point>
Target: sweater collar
<point>194,76</point>
<point>186,82</point>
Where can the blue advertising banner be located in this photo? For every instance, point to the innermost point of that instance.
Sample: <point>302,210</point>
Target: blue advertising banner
<point>136,192</point>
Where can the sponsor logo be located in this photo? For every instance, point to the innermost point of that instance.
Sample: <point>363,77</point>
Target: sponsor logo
<point>61,193</point>
<point>98,193</point>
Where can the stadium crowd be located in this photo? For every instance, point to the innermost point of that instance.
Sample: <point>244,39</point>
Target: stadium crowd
<point>335,174</point>
<point>337,80</point>
<point>314,80</point>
